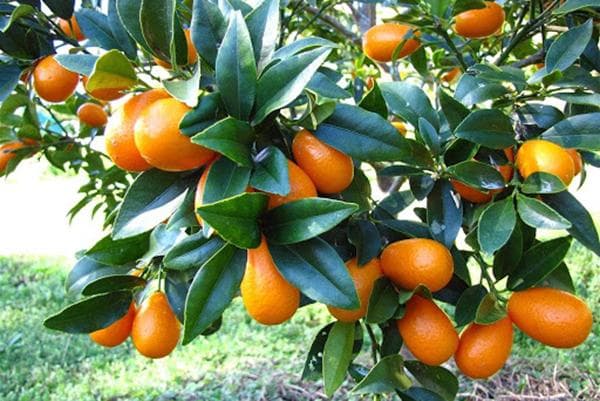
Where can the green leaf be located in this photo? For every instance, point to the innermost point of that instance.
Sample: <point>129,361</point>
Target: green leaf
<point>542,115</point>
<point>236,69</point>
<point>409,102</point>
<point>573,5</point>
<point>489,310</point>
<point>586,99</point>
<point>118,252</point>
<point>325,87</point>
<point>567,48</point>
<point>119,32</point>
<point>337,355</point>
<point>211,291</point>
<point>430,136</point>
<point>367,136</point>
<point>96,27</point>
<point>507,258</point>
<point>162,31</point>
<point>391,342</point>
<point>560,278</point>
<point>315,268</point>
<point>472,90</point>
<point>91,314</point>
<point>583,228</point>
<point>434,378</point>
<point>263,26</point>
<point>282,83</point>
<point>87,270</point>
<point>9,78</point>
<point>80,63</point>
<point>478,175</point>
<point>205,114</point>
<point>162,239</point>
<point>301,45</point>
<point>62,8</point>
<point>453,110</point>
<point>538,262</point>
<point>490,128</point>
<point>542,183</point>
<point>271,172</point>
<point>112,70</point>
<point>22,10</point>
<point>496,225</point>
<point>151,199</point>
<point>208,29</point>
<point>235,219</point>
<point>230,137</point>
<point>467,305</point>
<point>580,132</point>
<point>113,283</point>
<point>192,252</point>
<point>129,13</point>
<point>408,228</point>
<point>185,90</point>
<point>386,376</point>
<point>374,101</point>
<point>391,205</point>
<point>304,219</point>
<point>444,215</point>
<point>383,302</point>
<point>365,237</point>
<point>539,215</point>
<point>313,367</point>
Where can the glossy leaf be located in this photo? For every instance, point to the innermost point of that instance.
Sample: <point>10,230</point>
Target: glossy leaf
<point>444,213</point>
<point>113,283</point>
<point>490,128</point>
<point>467,305</point>
<point>542,183</point>
<point>489,310</point>
<point>112,70</point>
<point>118,252</point>
<point>313,367</point>
<point>9,77</point>
<point>453,110</point>
<point>230,137</point>
<point>365,237</point>
<point>386,376</point>
<point>192,252</point>
<point>80,63</point>
<point>567,48</point>
<point>129,14</point>
<point>96,26</point>
<point>119,32</point>
<point>337,355</point>
<point>409,102</point>
<point>434,378</point>
<point>263,26</point>
<point>207,29</point>
<point>271,172</point>
<point>580,132</point>
<point>478,175</point>
<point>496,225</point>
<point>87,270</point>
<point>537,214</point>
<point>205,114</point>
<point>383,302</point>
<point>374,101</point>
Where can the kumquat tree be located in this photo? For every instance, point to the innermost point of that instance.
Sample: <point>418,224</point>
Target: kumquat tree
<point>393,161</point>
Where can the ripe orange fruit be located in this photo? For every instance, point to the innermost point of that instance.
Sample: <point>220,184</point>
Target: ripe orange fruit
<point>451,75</point>
<point>75,33</point>
<point>155,332</point>
<point>92,114</point>
<point>400,126</point>
<point>550,316</point>
<point>329,169</point>
<point>117,332</point>
<point>119,132</point>
<point>192,55</point>
<point>427,332</point>
<point>8,149</point>
<point>161,143</point>
<point>480,23</point>
<point>364,278</point>
<point>484,349</point>
<point>267,296</point>
<point>411,262</point>
<point>476,196</point>
<point>538,155</point>
<point>301,186</point>
<point>577,161</point>
<point>104,94</point>
<point>380,41</point>
<point>52,81</point>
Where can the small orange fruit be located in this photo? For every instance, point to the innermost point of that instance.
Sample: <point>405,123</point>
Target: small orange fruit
<point>400,127</point>
<point>329,169</point>
<point>52,81</point>
<point>192,55</point>
<point>380,41</point>
<point>8,149</point>
<point>117,332</point>
<point>484,349</point>
<point>92,114</point>
<point>301,187</point>
<point>577,161</point>
<point>451,75</point>
<point>75,33</point>
<point>119,132</point>
<point>417,261</point>
<point>104,94</point>
<point>550,316</point>
<point>364,278</point>
<point>538,155</point>
<point>480,23</point>
<point>427,332</point>
<point>267,296</point>
<point>161,143</point>
<point>155,331</point>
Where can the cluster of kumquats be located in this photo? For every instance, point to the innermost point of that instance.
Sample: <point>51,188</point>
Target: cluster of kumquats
<point>144,133</point>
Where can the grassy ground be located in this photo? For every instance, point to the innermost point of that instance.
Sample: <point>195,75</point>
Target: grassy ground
<point>243,361</point>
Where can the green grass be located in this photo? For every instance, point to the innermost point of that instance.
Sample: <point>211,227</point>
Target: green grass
<point>243,361</point>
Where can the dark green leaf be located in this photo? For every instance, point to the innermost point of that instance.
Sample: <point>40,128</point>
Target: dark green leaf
<point>574,5</point>
<point>490,128</point>
<point>465,5</point>
<point>454,111</point>
<point>263,26</point>
<point>430,136</point>
<point>542,183</point>
<point>113,283</point>
<point>472,90</point>
<point>560,278</point>
<point>409,102</point>
<point>205,114</point>
<point>478,175</point>
<point>208,29</point>
<point>542,115</point>
<point>118,252</point>
<point>508,257</point>
<point>229,137</point>
<point>323,86</point>
<point>383,302</point>
<point>313,367</point>
<point>496,225</point>
<point>80,63</point>
<point>467,305</point>
<point>435,378</point>
<point>9,77</point>
<point>374,101</point>
<point>580,132</point>
<point>96,26</point>
<point>87,270</point>
<point>444,214</point>
<point>386,376</point>
<point>489,310</point>
<point>537,214</point>
<point>192,252</point>
<point>271,172</point>
<point>129,13</point>
<point>162,31</point>
<point>567,48</point>
<point>337,355</point>
<point>408,228</point>
<point>363,234</point>
<point>119,32</point>
<point>62,8</point>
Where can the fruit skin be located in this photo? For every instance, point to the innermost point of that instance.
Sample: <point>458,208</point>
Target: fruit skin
<point>301,186</point>
<point>400,127</point>
<point>577,160</point>
<point>192,54</point>
<point>476,196</point>
<point>8,149</point>
<point>329,169</point>
<point>161,143</point>
<point>75,33</point>
<point>92,114</point>
<point>156,330</point>
<point>411,262</point>
<point>427,332</point>
<point>484,349</point>
<point>104,94</point>
<point>117,332</point>
<point>52,81</point>
<point>480,23</point>
<point>451,75</point>
<point>538,155</point>
<point>119,132</point>
<point>380,41</point>
<point>550,316</point>
<point>267,296</point>
<point>364,278</point>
